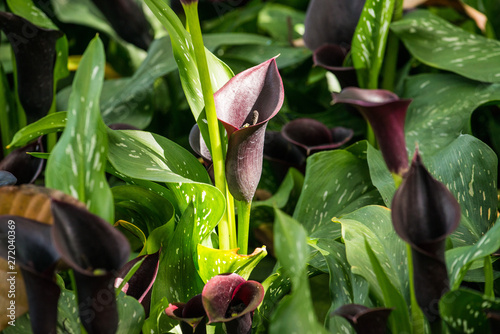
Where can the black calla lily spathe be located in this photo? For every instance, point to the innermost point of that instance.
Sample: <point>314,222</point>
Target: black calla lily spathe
<point>365,320</point>
<point>424,213</point>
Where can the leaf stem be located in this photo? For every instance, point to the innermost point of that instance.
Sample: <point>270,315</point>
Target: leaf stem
<point>191,10</point>
<point>488,277</point>
<point>417,316</point>
<point>244,209</point>
<point>391,55</point>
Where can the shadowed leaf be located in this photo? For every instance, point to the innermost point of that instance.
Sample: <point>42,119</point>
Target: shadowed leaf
<point>364,319</point>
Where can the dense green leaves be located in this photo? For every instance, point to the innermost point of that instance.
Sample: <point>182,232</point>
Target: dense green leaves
<point>77,163</point>
<point>438,43</point>
<point>368,43</point>
<point>51,123</point>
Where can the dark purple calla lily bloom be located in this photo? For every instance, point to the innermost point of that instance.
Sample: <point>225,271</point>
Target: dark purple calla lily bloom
<point>35,51</point>
<point>331,57</point>
<point>140,284</point>
<point>227,298</point>
<point>313,136</point>
<point>96,251</point>
<point>386,113</point>
<point>365,320</point>
<point>37,258</point>
<point>245,105</point>
<point>424,213</point>
<point>23,166</point>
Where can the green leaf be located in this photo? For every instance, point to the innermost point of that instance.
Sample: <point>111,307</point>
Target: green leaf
<point>468,168</point>
<point>459,259</point>
<point>77,164</point>
<point>369,40</point>
<point>336,183</point>
<point>373,224</point>
<point>438,43</point>
<point>441,108</point>
<point>179,281</point>
<point>399,319</point>
<point>281,22</point>
<point>380,175</point>
<point>130,314</point>
<point>464,311</point>
<point>212,262</point>
<point>184,56</point>
<point>55,122</point>
<point>295,312</point>
<point>28,10</point>
<point>256,54</point>
<point>147,156</point>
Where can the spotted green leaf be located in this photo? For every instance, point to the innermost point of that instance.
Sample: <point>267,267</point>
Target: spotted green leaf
<point>336,182</point>
<point>77,164</point>
<point>373,224</point>
<point>277,20</point>
<point>130,314</point>
<point>147,156</point>
<point>460,259</point>
<point>295,311</point>
<point>212,262</point>
<point>464,311</point>
<point>368,43</point>
<point>438,43</point>
<point>468,168</point>
<point>51,123</point>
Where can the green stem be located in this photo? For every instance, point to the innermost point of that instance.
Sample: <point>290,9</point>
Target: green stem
<point>391,55</point>
<point>244,209</point>
<point>370,135</point>
<point>488,277</point>
<point>193,22</point>
<point>230,212</point>
<point>417,316</point>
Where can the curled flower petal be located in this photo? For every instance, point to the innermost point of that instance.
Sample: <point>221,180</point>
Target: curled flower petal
<point>190,314</point>
<point>96,251</point>
<point>313,136</point>
<point>229,296</point>
<point>23,166</point>
<point>424,213</point>
<point>386,113</point>
<point>365,320</point>
<point>245,105</point>
<point>331,57</point>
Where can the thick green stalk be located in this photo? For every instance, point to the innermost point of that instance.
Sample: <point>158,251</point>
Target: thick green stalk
<point>244,209</point>
<point>488,277</point>
<point>191,10</point>
<point>391,54</point>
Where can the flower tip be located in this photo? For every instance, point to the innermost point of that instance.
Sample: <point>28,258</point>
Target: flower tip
<point>188,2</point>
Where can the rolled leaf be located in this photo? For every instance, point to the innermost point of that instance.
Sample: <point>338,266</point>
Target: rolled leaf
<point>365,320</point>
<point>244,106</point>
<point>313,136</point>
<point>331,22</point>
<point>386,113</point>
<point>96,251</point>
<point>424,213</point>
<point>35,52</point>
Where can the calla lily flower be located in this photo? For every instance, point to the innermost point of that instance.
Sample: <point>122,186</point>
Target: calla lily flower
<point>331,57</point>
<point>424,213</point>
<point>85,243</point>
<point>35,50</point>
<point>76,234</point>
<point>245,105</point>
<point>227,298</point>
<point>37,258</point>
<point>386,113</point>
<point>313,136</point>
<point>7,178</point>
<point>128,20</point>
<point>331,22</point>
<point>23,166</point>
<point>365,320</point>
<point>140,284</point>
